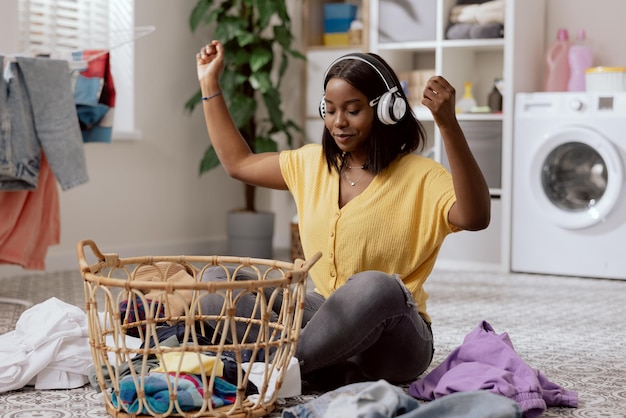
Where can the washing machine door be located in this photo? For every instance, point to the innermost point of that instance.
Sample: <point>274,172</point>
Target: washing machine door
<point>577,177</point>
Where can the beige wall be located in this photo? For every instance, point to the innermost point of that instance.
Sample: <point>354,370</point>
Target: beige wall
<point>8,27</point>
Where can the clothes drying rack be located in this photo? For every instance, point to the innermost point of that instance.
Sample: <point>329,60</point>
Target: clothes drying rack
<point>138,32</point>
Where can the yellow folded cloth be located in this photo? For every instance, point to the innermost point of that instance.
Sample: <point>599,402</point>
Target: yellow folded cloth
<point>191,363</point>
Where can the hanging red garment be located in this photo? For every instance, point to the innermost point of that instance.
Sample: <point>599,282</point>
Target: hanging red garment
<point>94,95</point>
<point>30,222</point>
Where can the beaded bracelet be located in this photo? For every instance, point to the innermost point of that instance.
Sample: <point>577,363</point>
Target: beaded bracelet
<point>205,98</point>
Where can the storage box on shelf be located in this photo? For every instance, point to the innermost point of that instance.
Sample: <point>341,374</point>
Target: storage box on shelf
<point>324,17</point>
<point>338,16</point>
<point>337,20</point>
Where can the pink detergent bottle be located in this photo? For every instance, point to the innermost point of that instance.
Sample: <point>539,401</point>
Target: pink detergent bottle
<point>580,58</point>
<point>557,63</point>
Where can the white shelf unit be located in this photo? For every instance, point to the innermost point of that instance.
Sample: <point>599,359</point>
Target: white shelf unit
<point>518,58</point>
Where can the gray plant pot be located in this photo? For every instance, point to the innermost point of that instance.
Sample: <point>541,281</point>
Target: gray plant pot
<point>250,234</point>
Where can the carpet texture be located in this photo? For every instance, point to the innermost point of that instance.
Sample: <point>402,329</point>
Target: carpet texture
<point>571,329</point>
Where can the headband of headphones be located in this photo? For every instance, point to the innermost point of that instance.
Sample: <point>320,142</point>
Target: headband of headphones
<point>373,62</point>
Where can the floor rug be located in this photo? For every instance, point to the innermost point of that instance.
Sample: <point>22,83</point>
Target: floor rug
<point>571,329</point>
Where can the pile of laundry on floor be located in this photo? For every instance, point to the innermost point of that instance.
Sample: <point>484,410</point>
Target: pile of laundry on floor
<point>49,349</point>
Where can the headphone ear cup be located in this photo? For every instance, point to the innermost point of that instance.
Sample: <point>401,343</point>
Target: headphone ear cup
<point>322,108</point>
<point>391,108</point>
<point>383,107</point>
<point>399,107</point>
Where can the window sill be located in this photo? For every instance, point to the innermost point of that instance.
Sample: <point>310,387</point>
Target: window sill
<point>127,135</point>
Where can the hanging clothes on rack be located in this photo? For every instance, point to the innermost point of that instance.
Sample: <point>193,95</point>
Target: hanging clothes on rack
<point>40,142</point>
<point>94,95</point>
<point>94,90</point>
<point>30,222</point>
<point>37,113</point>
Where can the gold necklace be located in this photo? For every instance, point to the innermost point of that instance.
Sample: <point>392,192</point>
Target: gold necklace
<point>353,183</point>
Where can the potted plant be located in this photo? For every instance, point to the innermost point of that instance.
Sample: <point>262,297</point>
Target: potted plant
<point>257,39</point>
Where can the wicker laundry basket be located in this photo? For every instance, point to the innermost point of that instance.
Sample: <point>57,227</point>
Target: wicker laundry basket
<point>131,301</point>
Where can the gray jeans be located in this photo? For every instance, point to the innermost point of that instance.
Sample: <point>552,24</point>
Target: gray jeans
<point>371,323</point>
<point>37,112</point>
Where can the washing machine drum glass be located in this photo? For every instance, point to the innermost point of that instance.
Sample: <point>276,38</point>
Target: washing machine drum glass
<point>574,176</point>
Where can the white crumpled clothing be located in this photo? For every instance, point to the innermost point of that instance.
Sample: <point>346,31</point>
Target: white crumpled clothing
<point>48,348</point>
<point>291,386</point>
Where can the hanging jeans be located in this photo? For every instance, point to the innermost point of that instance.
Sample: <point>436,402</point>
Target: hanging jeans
<point>37,112</point>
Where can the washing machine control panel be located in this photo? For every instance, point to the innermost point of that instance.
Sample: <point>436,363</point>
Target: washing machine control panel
<point>593,103</point>
<point>552,104</point>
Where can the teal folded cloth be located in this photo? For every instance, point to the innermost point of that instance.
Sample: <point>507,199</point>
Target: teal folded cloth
<point>189,393</point>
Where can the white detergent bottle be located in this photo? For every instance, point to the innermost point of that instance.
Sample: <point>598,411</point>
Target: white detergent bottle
<point>557,63</point>
<point>580,58</point>
<point>467,101</point>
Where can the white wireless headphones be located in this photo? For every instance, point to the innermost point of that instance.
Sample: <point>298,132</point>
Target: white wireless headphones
<point>390,106</point>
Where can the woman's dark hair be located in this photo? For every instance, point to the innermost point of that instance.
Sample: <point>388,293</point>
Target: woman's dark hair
<point>386,142</point>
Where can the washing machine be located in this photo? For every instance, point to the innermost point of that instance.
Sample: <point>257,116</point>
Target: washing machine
<point>569,192</point>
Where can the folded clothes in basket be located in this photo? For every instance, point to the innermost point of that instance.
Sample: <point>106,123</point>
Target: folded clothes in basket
<point>157,394</point>
<point>229,370</point>
<point>188,362</point>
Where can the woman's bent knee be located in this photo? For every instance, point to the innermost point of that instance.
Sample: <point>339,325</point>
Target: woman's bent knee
<point>376,287</point>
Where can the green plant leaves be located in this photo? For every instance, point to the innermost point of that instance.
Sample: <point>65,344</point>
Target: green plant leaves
<point>257,39</point>
<point>193,101</point>
<point>261,56</point>
<point>243,109</point>
<point>265,144</point>
<point>198,13</point>
<point>209,160</point>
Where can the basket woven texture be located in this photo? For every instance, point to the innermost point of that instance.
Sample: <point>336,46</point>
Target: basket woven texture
<point>139,296</point>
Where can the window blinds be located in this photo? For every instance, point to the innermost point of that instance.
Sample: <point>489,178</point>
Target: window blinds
<point>58,27</point>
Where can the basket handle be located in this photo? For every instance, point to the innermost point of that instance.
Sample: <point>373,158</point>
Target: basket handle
<point>108,259</point>
<point>309,263</point>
